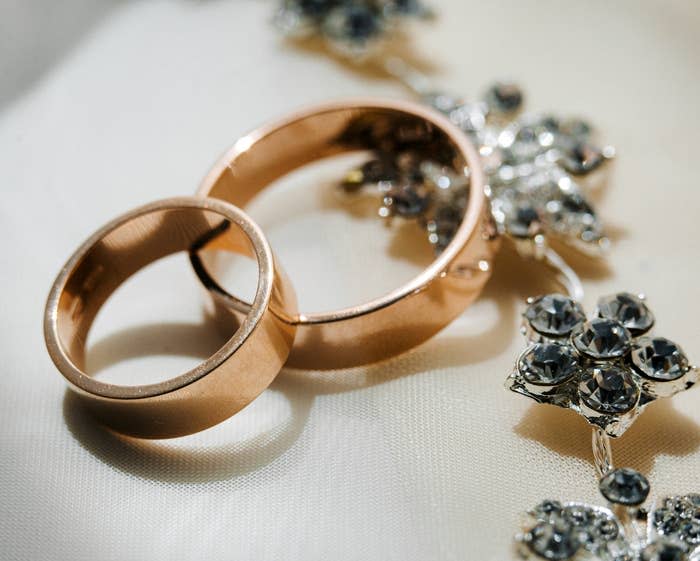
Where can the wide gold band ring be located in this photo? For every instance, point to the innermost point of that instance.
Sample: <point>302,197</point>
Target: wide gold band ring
<point>411,313</point>
<point>218,387</point>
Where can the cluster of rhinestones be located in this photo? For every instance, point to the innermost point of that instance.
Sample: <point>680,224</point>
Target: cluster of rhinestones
<point>678,519</point>
<point>414,188</point>
<point>530,163</point>
<point>559,531</point>
<point>350,26</point>
<point>607,367</point>
<point>575,531</point>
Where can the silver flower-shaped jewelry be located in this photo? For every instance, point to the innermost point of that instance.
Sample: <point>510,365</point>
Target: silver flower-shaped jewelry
<point>607,368</point>
<point>670,531</point>
<point>350,26</point>
<point>531,163</point>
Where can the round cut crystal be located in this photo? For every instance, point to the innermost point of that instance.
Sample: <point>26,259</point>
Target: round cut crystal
<point>624,486</point>
<point>602,338</point>
<point>610,390</point>
<point>659,359</point>
<point>523,221</point>
<point>547,508</point>
<point>582,158</point>
<point>354,23</point>
<point>555,539</point>
<point>504,97</point>
<point>628,309</point>
<point>554,314</point>
<point>548,364</point>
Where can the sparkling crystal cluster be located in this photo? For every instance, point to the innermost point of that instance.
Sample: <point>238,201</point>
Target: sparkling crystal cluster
<point>677,519</point>
<point>350,26</point>
<point>607,368</point>
<point>415,188</point>
<point>578,532</point>
<point>559,531</point>
<point>531,163</point>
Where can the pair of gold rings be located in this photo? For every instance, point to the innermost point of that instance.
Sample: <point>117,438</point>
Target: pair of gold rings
<point>270,332</point>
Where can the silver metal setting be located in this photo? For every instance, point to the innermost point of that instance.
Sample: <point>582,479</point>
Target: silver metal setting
<point>608,392</point>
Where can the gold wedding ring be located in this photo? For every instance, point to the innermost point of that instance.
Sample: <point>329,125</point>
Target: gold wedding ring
<point>411,313</point>
<point>218,387</point>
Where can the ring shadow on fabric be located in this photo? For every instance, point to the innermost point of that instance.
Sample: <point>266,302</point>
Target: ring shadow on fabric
<point>161,460</point>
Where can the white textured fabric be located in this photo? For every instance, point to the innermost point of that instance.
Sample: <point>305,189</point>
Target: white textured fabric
<point>105,105</point>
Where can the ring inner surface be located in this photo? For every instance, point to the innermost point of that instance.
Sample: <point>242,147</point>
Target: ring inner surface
<point>258,161</point>
<point>126,248</point>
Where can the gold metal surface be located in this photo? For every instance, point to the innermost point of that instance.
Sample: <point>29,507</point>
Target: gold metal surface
<point>218,387</point>
<point>409,314</point>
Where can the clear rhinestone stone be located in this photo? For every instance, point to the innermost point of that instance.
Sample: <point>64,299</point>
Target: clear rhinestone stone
<point>659,359</point>
<point>546,509</point>
<point>624,486</point>
<point>554,314</point>
<point>555,539</point>
<point>607,529</point>
<point>663,551</point>
<point>470,117</point>
<point>548,364</point>
<point>570,214</point>
<point>354,23</point>
<point>628,309</point>
<point>441,101</point>
<point>689,532</point>
<point>602,338</point>
<point>522,220</point>
<point>582,158</point>
<point>504,97</point>
<point>609,389</point>
<point>407,200</point>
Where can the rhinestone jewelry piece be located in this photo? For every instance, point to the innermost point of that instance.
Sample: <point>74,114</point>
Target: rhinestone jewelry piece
<point>625,486</point>
<point>598,368</point>
<point>415,187</point>
<point>573,531</point>
<point>678,519</point>
<point>351,27</point>
<point>530,163</point>
<point>557,531</point>
<point>629,310</point>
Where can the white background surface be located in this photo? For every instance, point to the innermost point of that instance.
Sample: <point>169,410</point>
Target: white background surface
<point>106,105</point>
